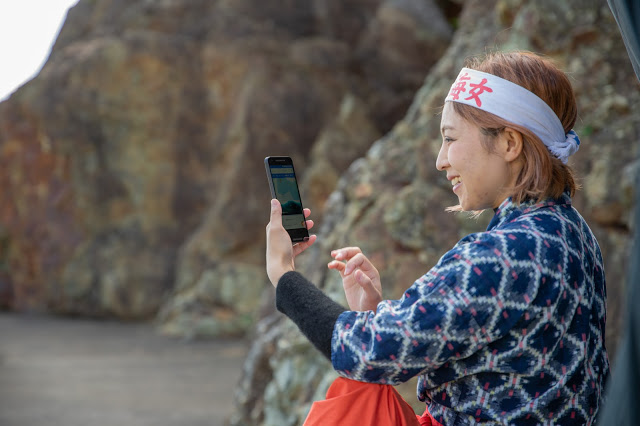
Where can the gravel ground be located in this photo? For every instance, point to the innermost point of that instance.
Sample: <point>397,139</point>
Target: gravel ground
<point>70,372</point>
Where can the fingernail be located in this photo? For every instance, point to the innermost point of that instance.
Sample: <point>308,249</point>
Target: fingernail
<point>274,203</point>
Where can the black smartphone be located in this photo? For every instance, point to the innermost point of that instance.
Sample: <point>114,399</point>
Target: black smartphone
<point>284,187</point>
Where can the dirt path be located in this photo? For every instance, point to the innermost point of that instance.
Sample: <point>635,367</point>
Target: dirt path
<point>62,372</point>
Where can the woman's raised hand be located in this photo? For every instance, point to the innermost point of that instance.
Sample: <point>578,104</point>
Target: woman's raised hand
<point>360,279</point>
<point>280,253</point>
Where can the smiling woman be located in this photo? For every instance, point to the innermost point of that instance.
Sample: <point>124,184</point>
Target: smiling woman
<point>481,178</point>
<point>28,29</point>
<point>542,118</point>
<point>508,326</point>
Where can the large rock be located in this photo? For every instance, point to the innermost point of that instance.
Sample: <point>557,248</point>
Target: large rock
<point>131,167</point>
<point>326,67</point>
<point>391,203</point>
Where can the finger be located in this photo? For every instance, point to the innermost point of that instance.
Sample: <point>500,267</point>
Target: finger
<point>367,285</point>
<point>359,261</point>
<point>310,223</point>
<point>300,247</point>
<point>307,212</point>
<point>336,265</point>
<point>345,253</point>
<point>276,213</point>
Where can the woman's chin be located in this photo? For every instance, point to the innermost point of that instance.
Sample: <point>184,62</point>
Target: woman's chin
<point>463,204</point>
<point>469,207</point>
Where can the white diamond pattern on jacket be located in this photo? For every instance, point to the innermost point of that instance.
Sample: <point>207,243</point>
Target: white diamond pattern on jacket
<point>507,328</point>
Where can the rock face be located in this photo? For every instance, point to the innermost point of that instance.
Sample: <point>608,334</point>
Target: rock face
<point>391,203</point>
<point>131,167</point>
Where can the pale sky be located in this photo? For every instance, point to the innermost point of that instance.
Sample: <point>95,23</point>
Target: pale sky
<point>28,29</point>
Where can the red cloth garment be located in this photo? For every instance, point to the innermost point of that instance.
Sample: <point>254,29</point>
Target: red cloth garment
<point>349,402</point>
<point>427,420</point>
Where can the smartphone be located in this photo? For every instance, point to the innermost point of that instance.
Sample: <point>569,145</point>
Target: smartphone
<point>284,187</point>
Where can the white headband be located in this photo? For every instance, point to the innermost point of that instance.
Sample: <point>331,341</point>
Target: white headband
<point>515,104</point>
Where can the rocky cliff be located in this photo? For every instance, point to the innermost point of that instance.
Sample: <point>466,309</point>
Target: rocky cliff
<point>391,202</point>
<point>131,167</point>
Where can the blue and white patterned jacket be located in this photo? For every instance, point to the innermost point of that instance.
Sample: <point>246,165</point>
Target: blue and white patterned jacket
<point>507,328</point>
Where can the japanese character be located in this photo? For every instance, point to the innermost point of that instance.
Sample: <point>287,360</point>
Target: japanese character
<point>459,86</point>
<point>477,90</point>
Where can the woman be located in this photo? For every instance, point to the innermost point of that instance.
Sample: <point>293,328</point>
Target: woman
<point>508,326</point>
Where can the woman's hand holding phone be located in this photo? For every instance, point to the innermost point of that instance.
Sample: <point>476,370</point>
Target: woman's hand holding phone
<point>360,279</point>
<point>280,252</point>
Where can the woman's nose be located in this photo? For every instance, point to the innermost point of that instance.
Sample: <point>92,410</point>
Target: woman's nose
<point>442,162</point>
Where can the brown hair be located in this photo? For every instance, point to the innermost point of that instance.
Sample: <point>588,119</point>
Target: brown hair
<point>543,175</point>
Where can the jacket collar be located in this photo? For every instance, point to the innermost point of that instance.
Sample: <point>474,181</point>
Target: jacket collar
<point>508,210</point>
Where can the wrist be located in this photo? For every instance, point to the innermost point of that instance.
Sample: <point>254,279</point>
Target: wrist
<point>275,275</point>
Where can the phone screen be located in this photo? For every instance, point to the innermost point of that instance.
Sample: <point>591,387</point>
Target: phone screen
<point>284,187</point>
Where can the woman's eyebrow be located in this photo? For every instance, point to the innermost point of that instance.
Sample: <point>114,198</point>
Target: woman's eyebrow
<point>443,128</point>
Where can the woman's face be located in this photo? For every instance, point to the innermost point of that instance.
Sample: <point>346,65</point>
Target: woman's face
<point>477,177</point>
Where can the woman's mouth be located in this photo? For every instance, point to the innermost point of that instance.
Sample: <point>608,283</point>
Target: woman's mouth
<point>456,182</point>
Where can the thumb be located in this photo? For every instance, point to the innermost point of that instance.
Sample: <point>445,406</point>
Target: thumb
<point>276,212</point>
<point>367,285</point>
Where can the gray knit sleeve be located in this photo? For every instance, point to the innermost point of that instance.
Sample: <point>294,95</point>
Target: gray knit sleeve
<point>309,308</point>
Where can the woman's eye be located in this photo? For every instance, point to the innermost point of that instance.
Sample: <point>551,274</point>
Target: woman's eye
<point>447,139</point>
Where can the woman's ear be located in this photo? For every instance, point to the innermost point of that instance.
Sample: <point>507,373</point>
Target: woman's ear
<point>511,144</point>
